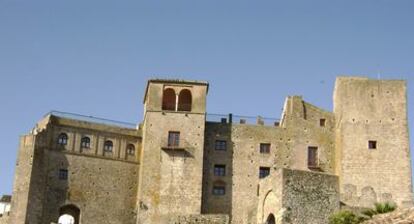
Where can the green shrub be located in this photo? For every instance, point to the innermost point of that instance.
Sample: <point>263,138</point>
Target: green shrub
<point>345,217</point>
<point>380,208</point>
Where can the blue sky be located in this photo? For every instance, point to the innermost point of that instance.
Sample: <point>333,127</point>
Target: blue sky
<point>94,57</point>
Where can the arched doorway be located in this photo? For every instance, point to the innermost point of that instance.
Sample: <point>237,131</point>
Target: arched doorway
<point>69,214</point>
<point>271,219</point>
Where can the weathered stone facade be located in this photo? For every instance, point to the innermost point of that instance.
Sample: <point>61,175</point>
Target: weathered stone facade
<point>179,166</point>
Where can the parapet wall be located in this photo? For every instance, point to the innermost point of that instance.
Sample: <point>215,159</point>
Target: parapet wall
<point>200,219</point>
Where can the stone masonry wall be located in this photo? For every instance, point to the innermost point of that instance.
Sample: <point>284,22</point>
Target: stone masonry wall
<point>309,197</point>
<point>200,219</point>
<point>299,129</point>
<point>372,110</point>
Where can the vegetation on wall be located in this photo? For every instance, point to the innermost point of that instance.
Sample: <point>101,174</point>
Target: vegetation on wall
<point>348,217</point>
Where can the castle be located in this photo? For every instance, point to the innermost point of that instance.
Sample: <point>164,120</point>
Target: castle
<point>182,165</point>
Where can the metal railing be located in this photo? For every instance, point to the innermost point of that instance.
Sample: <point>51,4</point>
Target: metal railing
<point>92,119</point>
<point>240,119</point>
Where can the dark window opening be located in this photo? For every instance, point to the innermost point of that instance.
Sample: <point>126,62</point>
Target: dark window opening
<point>221,145</point>
<point>108,146</point>
<point>131,149</point>
<point>372,144</point>
<point>313,157</point>
<point>63,174</point>
<point>322,122</point>
<point>85,143</point>
<point>264,172</point>
<point>168,99</point>
<point>264,148</point>
<point>63,139</point>
<point>220,170</point>
<point>219,190</point>
<point>173,139</point>
<point>185,100</point>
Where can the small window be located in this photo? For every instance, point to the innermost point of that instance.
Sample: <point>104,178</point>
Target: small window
<point>220,170</point>
<point>85,142</point>
<point>264,148</point>
<point>63,174</point>
<point>313,157</point>
<point>219,190</point>
<point>108,146</point>
<point>221,145</point>
<point>322,122</point>
<point>173,139</point>
<point>372,144</point>
<point>131,149</point>
<point>63,139</point>
<point>264,172</point>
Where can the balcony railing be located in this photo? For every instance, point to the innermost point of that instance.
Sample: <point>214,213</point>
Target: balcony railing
<point>239,119</point>
<point>92,119</point>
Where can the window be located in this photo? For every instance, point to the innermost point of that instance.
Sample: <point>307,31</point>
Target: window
<point>220,170</point>
<point>313,157</point>
<point>322,122</point>
<point>219,190</point>
<point>108,146</point>
<point>264,172</point>
<point>63,139</point>
<point>264,148</point>
<point>168,99</point>
<point>221,145</point>
<point>63,174</point>
<point>173,139</point>
<point>184,100</point>
<point>131,149</point>
<point>372,144</point>
<point>85,142</point>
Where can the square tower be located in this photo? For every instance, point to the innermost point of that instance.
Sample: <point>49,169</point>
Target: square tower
<point>372,142</point>
<point>172,159</point>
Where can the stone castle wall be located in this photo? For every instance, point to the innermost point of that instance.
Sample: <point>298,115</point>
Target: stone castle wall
<point>289,142</point>
<point>372,110</point>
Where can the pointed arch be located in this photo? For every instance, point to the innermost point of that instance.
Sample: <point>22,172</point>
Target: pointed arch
<point>185,100</point>
<point>271,219</point>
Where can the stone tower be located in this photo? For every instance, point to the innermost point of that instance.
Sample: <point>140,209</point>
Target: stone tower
<point>372,141</point>
<point>173,141</point>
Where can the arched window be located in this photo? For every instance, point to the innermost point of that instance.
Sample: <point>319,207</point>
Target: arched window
<point>63,139</point>
<point>85,143</point>
<point>108,146</point>
<point>69,214</point>
<point>185,100</point>
<point>131,150</point>
<point>168,99</point>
